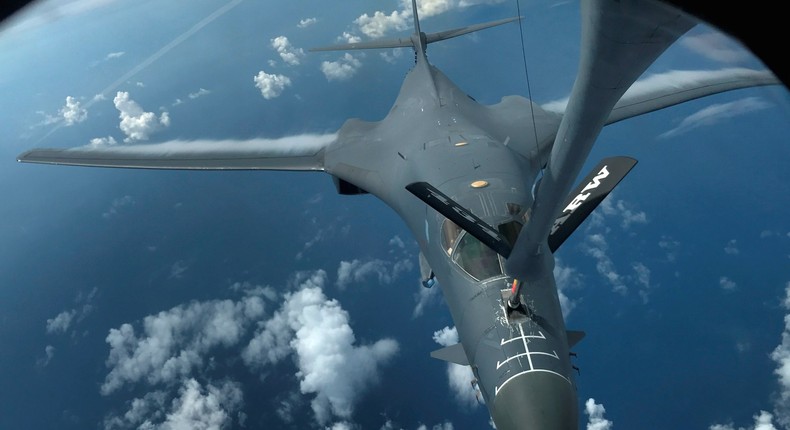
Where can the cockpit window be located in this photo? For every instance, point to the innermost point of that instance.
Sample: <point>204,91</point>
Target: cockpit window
<point>450,233</point>
<point>478,260</point>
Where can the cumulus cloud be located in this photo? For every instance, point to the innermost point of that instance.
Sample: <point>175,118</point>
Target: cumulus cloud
<point>781,356</point>
<point>762,421</point>
<point>595,413</point>
<point>380,23</point>
<point>49,353</point>
<point>316,329</point>
<point>459,377</point>
<point>344,68</point>
<point>72,113</point>
<point>195,407</point>
<point>271,86</point>
<point>61,322</point>
<point>717,113</point>
<point>173,342</point>
<point>103,141</point>
<point>137,124</point>
<point>290,55</point>
<point>424,297</point>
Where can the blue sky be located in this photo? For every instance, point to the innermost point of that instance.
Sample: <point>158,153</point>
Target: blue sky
<point>150,299</point>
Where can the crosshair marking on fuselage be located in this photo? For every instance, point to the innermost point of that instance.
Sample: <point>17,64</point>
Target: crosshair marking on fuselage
<point>525,339</point>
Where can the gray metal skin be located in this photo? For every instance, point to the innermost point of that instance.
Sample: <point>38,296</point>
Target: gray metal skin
<point>522,368</point>
<point>523,386</point>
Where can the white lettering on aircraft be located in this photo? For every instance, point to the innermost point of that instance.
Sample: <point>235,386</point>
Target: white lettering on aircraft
<point>580,198</point>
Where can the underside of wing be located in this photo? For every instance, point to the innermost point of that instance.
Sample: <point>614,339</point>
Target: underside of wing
<point>303,153</point>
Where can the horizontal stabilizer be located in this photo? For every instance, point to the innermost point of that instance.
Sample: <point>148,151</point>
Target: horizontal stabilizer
<point>574,337</point>
<point>461,217</point>
<point>303,153</point>
<point>449,34</point>
<point>406,42</point>
<point>453,354</point>
<point>587,195</point>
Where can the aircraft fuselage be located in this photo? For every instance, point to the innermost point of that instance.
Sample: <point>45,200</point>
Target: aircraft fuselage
<point>437,134</point>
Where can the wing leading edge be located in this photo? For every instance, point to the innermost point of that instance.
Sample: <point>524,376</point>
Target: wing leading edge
<point>300,153</point>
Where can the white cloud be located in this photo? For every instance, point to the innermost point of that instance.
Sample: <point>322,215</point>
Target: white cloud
<point>459,377</point>
<point>61,322</point>
<point>611,207</point>
<point>195,407</point>
<point>118,204</point>
<point>137,124</point>
<point>762,421</point>
<point>424,297</point>
<point>173,341</point>
<point>303,23</point>
<point>177,269</point>
<point>271,86</point>
<point>49,352</point>
<point>103,141</point>
<point>358,271</point>
<point>379,24</point>
<point>732,247</point>
<point>72,113</point>
<point>344,68</point>
<point>596,247</point>
<point>781,356</point>
<point>199,93</point>
<point>727,283</point>
<point>113,55</point>
<point>349,38</point>
<point>595,412</point>
<point>330,365</point>
<point>716,46</point>
<point>565,278</point>
<point>642,273</point>
<point>717,113</point>
<point>290,55</point>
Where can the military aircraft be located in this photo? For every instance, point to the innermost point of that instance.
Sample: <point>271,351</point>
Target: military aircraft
<point>486,190</point>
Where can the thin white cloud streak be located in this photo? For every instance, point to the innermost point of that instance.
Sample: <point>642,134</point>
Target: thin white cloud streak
<point>717,113</point>
<point>305,144</point>
<point>596,247</point>
<point>595,413</point>
<point>716,46</point>
<point>565,278</point>
<point>459,377</point>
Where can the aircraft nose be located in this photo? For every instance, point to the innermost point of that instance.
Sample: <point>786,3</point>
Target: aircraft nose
<point>536,400</point>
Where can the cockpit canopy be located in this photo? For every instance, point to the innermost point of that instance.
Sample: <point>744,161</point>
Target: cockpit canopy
<point>472,256</point>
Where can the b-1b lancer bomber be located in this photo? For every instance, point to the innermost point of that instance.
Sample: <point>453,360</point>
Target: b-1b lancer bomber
<point>488,191</point>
